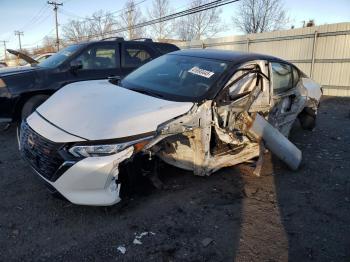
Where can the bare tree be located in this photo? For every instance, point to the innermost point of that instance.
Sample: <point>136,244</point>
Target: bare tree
<point>202,24</point>
<point>101,23</point>
<point>257,16</point>
<point>129,18</point>
<point>162,30</point>
<point>185,31</point>
<point>96,26</point>
<point>48,46</point>
<point>76,31</point>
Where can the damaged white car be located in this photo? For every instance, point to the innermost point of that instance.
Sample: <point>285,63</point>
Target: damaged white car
<point>198,110</point>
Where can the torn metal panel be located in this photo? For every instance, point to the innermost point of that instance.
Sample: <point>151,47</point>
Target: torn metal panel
<point>275,141</point>
<point>211,136</point>
<point>285,110</point>
<point>187,142</point>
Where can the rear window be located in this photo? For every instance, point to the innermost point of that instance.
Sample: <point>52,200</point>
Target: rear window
<point>135,55</point>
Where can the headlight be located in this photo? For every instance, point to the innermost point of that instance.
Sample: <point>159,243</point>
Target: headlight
<point>106,150</point>
<point>2,83</point>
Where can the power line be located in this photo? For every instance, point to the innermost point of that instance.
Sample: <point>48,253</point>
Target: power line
<point>56,4</point>
<point>86,19</point>
<point>189,11</point>
<point>35,18</point>
<point>19,34</point>
<point>41,39</point>
<point>193,10</point>
<point>39,21</point>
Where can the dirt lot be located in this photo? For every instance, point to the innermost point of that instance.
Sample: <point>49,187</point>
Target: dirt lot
<point>283,215</point>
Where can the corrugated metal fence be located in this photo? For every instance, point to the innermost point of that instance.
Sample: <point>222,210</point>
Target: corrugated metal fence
<point>322,52</point>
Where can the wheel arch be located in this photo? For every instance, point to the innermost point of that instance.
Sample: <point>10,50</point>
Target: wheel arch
<point>24,98</point>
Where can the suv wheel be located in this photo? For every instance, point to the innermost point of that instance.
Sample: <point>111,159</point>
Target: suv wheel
<point>31,104</point>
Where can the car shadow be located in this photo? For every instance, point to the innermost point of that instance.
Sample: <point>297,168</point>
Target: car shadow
<point>313,202</point>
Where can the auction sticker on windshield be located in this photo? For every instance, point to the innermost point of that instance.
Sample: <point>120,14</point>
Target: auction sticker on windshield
<point>201,72</point>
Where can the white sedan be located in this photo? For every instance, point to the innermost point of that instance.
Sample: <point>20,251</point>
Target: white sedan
<point>198,110</point>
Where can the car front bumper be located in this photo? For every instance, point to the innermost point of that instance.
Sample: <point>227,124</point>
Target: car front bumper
<point>92,181</point>
<point>88,181</point>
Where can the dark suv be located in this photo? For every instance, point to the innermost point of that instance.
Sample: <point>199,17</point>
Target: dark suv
<point>23,89</point>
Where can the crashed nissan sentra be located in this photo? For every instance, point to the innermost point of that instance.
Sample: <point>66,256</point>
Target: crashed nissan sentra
<point>199,110</point>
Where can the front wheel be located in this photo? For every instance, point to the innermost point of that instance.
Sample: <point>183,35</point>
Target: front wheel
<point>307,118</point>
<point>31,104</point>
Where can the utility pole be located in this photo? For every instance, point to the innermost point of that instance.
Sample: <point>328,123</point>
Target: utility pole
<point>130,23</point>
<point>5,54</point>
<point>19,34</point>
<point>55,8</point>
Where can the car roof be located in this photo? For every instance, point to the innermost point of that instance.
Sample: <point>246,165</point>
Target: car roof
<point>124,41</point>
<point>236,57</point>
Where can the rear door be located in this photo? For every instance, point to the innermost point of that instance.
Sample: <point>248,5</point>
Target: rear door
<point>134,55</point>
<point>287,100</point>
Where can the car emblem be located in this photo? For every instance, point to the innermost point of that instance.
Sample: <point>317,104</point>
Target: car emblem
<point>31,141</point>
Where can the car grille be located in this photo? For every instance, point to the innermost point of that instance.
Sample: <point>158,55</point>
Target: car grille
<point>42,154</point>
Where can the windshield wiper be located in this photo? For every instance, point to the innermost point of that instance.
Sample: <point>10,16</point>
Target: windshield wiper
<point>146,92</point>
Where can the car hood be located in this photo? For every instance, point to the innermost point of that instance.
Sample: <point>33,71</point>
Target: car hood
<point>99,110</point>
<point>23,56</point>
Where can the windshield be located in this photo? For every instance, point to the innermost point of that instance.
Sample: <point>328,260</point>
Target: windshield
<point>176,77</point>
<point>58,58</point>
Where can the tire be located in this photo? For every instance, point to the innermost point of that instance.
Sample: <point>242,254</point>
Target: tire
<point>307,119</point>
<point>31,104</point>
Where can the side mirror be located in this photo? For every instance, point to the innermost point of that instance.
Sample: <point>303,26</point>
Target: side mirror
<point>76,65</point>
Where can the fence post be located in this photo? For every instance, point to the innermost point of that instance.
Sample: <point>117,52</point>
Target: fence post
<point>247,44</point>
<point>313,54</point>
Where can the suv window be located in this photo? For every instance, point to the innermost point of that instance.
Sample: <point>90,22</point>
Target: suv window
<point>135,55</point>
<point>60,57</point>
<point>99,57</point>
<point>282,77</point>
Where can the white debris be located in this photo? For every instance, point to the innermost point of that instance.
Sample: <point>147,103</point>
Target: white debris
<point>137,240</point>
<point>121,249</point>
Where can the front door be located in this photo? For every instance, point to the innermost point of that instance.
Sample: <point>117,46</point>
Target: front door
<point>98,62</point>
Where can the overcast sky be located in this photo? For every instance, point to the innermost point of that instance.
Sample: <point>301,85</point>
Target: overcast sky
<point>36,18</point>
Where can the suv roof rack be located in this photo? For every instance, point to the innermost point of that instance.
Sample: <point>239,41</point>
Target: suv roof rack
<point>117,38</point>
<point>142,39</point>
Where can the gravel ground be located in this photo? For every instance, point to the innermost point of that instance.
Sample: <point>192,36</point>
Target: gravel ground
<point>231,215</point>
